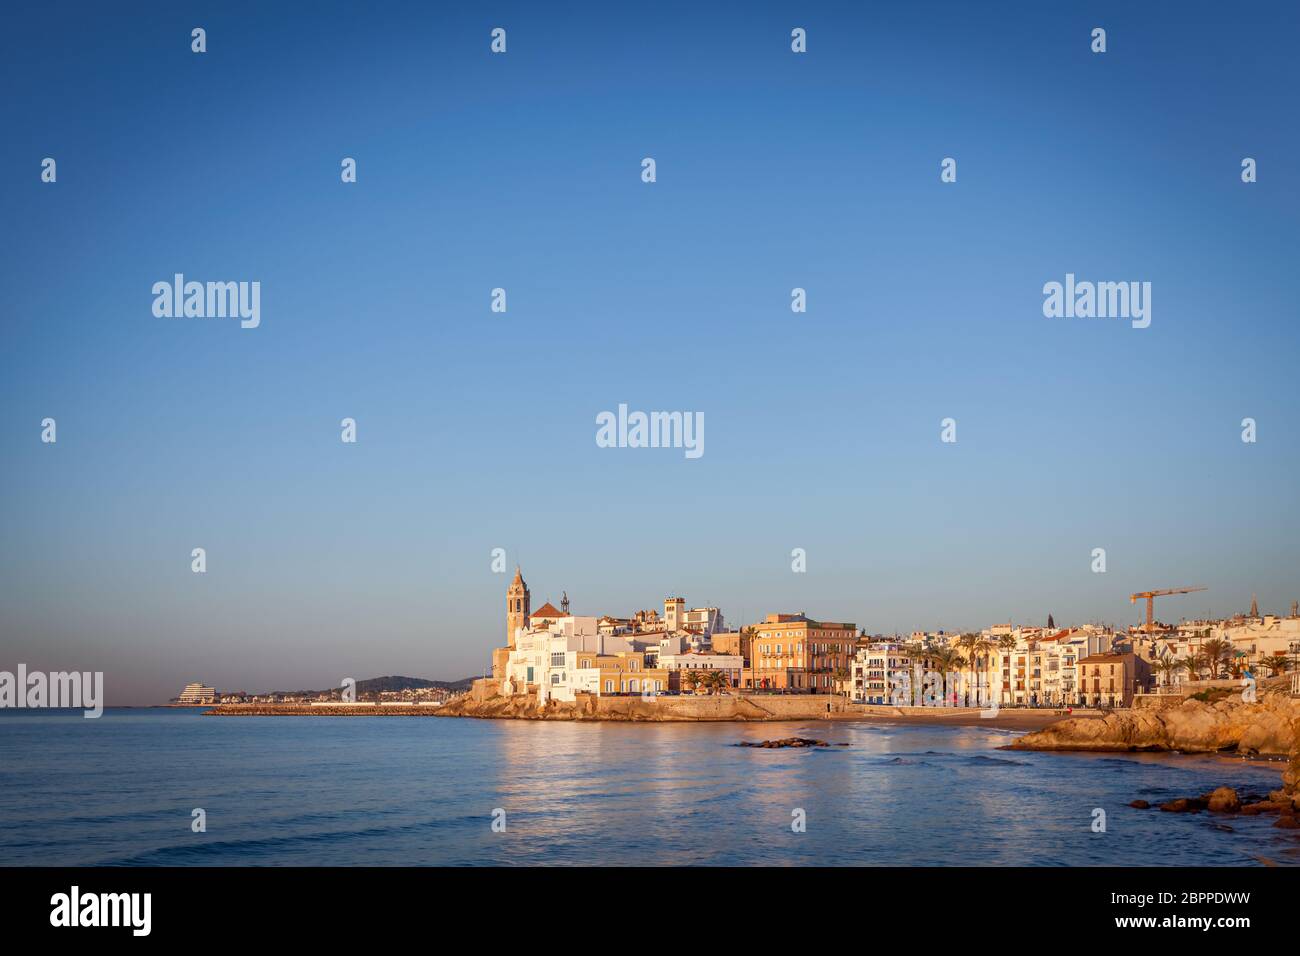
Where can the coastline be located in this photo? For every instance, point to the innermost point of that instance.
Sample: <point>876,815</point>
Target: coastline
<point>1006,719</point>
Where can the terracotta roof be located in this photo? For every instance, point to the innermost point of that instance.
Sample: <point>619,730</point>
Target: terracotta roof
<point>547,610</point>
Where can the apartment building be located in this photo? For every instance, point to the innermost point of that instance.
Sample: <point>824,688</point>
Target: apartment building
<point>1106,680</point>
<point>796,653</point>
<point>878,672</point>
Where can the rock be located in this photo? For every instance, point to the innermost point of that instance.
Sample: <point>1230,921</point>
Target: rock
<point>1291,777</point>
<point>1140,805</point>
<point>1183,805</point>
<point>1266,726</point>
<point>1223,800</point>
<point>1264,806</point>
<point>785,742</point>
<point>1287,822</point>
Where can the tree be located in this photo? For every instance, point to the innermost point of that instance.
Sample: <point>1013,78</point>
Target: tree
<point>1276,664</point>
<point>714,681</point>
<point>977,647</point>
<point>1168,668</point>
<point>691,680</point>
<point>945,660</point>
<point>1216,652</point>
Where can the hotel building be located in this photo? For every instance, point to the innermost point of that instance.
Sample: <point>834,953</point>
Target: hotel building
<point>195,694</point>
<point>794,652</point>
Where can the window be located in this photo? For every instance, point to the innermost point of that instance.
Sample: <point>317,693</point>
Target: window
<point>530,675</point>
<point>609,687</point>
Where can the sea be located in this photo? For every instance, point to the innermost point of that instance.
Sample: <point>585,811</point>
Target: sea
<point>171,787</point>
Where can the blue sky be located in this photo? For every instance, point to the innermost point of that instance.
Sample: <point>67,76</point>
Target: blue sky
<point>476,430</point>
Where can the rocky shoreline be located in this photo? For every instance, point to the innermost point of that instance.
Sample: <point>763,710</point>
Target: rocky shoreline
<point>1226,801</point>
<point>1268,726</point>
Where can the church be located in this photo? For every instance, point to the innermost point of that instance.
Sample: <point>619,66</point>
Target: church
<point>554,653</point>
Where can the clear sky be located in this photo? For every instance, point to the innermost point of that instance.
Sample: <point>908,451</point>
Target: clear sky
<point>476,430</point>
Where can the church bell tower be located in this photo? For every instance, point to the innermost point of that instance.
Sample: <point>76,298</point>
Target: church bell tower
<point>518,607</point>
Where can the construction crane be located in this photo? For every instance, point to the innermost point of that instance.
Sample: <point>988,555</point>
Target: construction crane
<point>1151,601</point>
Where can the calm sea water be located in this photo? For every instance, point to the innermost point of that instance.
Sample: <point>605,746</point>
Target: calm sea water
<point>419,790</point>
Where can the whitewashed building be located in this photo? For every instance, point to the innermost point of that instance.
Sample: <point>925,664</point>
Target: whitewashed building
<point>545,657</point>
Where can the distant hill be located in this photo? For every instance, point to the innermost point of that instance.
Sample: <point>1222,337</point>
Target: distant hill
<point>379,684</point>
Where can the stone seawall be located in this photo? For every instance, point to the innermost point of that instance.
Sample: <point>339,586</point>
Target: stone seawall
<point>684,708</point>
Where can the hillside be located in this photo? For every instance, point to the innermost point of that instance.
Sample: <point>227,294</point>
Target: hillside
<point>391,683</point>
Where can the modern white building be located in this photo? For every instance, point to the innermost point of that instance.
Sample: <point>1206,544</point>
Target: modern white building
<point>195,694</point>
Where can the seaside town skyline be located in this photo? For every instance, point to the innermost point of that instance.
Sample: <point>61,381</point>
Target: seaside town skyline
<point>663,638</point>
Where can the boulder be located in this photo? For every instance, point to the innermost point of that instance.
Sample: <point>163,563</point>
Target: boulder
<point>1267,806</point>
<point>1268,725</point>
<point>1140,805</point>
<point>1184,805</point>
<point>1223,800</point>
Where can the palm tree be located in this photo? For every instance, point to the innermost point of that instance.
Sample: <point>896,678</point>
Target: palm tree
<point>945,660</point>
<point>715,681</point>
<point>1216,653</point>
<point>691,680</point>
<point>1276,664</point>
<point>1168,668</point>
<point>918,653</point>
<point>982,649</point>
<point>967,643</point>
<point>1006,644</point>
<point>1195,663</point>
<point>977,648</point>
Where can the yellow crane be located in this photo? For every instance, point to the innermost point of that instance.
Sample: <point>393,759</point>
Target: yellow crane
<point>1151,601</point>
